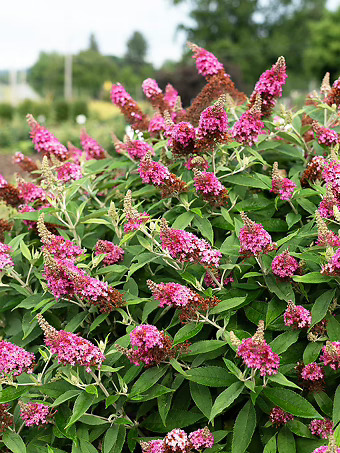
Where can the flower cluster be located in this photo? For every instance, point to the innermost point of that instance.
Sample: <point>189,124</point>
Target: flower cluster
<point>197,162</point>
<point>44,141</point>
<point>156,125</point>
<point>71,348</point>
<point>30,193</point>
<point>326,237</point>
<point>92,148</point>
<point>269,86</point>
<point>137,149</point>
<point>134,219</point>
<point>321,428</point>
<point>333,96</point>
<point>331,355</point>
<point>150,346</point>
<point>254,239</point>
<point>313,171</point>
<point>182,138</point>
<point>14,360</point>
<point>325,136</point>
<point>129,107</point>
<point>297,316</point>
<point>313,372</point>
<point>284,265</point>
<point>177,441</point>
<point>212,126</point>
<point>186,247</point>
<point>113,253</point>
<point>283,187</point>
<point>248,128</point>
<point>256,353</point>
<point>279,417</point>
<point>5,258</point>
<point>24,162</point>
<point>326,206</point>
<point>180,297</point>
<point>206,62</point>
<point>210,188</point>
<point>155,95</point>
<point>69,171</point>
<point>333,265</point>
<point>35,413</point>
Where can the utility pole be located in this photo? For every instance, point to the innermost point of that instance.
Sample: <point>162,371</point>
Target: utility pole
<point>68,77</point>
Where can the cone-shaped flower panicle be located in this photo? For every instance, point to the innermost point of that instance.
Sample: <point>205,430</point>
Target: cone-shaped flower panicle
<point>151,88</point>
<point>137,149</point>
<point>134,219</point>
<point>331,355</point>
<point>70,348</point>
<point>129,107</point>
<point>197,162</point>
<point>212,126</point>
<point>113,253</point>
<point>297,316</point>
<point>248,128</point>
<point>186,247</point>
<point>74,153</point>
<point>30,193</point>
<point>283,187</point>
<point>254,239</point>
<point>92,148</point>
<point>326,237</point>
<point>312,372</point>
<point>3,182</point>
<point>5,258</point>
<point>313,171</point>
<point>329,201</point>
<point>324,135</point>
<point>332,267</point>
<point>284,265</point>
<point>171,96</point>
<point>322,428</point>
<point>69,171</point>
<point>35,413</point>
<point>206,63</point>
<point>44,141</point>
<point>279,417</point>
<point>14,360</point>
<point>209,187</point>
<point>258,355</point>
<point>156,125</point>
<point>181,138</point>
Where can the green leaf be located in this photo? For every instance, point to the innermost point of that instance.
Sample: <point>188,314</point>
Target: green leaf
<point>300,429</point>
<point>291,402</point>
<point>228,304</point>
<point>11,393</point>
<point>283,290</point>
<point>312,277</point>
<point>147,379</point>
<point>324,402</point>
<point>282,342</point>
<point>225,399</point>
<point>201,347</point>
<point>82,403</point>
<point>14,442</point>
<point>311,353</point>
<point>307,205</point>
<point>247,180</point>
<point>286,441</point>
<point>205,228</point>
<point>187,331</point>
<point>183,220</point>
<point>333,328</point>
<point>177,418</point>
<point>244,428</point>
<point>65,397</point>
<point>202,398</point>
<point>320,306</point>
<point>336,406</point>
<point>212,376</point>
<point>270,446</point>
<point>280,378</point>
<point>86,447</point>
<point>25,250</point>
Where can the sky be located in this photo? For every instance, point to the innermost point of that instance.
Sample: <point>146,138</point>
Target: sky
<point>28,27</point>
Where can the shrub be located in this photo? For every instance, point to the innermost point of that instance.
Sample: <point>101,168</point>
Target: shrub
<point>62,110</point>
<point>183,294</point>
<point>6,111</point>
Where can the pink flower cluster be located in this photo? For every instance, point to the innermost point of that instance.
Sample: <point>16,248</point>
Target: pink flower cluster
<point>248,128</point>
<point>283,187</point>
<point>284,265</point>
<point>321,428</point>
<point>128,107</point>
<point>209,282</point>
<point>206,63</point>
<point>326,206</point>
<point>313,372</point>
<point>270,85</point>
<point>135,221</point>
<point>70,348</point>
<point>119,96</point>
<point>113,253</point>
<point>254,239</point>
<point>279,417</point>
<point>153,172</point>
<point>3,182</point>
<point>213,122</point>
<point>171,95</point>
<point>151,88</point>
<point>156,125</point>
<point>69,171</point>
<point>259,355</point>
<point>325,449</point>
<point>331,355</point>
<point>44,141</point>
<point>194,162</point>
<point>14,360</point>
<point>34,413</point>
<point>182,138</point>
<point>152,346</point>
<point>173,295</point>
<point>186,247</point>
<point>74,153</point>
<point>331,173</point>
<point>297,316</point>
<point>30,193</point>
<point>62,248</point>
<point>177,441</point>
<point>333,265</point>
<point>91,147</point>
<point>137,149</point>
<point>208,183</point>
<point>5,258</point>
<point>325,136</point>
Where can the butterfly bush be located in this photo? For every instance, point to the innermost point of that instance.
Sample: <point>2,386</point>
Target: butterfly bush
<point>179,291</point>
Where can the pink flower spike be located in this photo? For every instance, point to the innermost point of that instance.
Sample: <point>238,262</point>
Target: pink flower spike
<point>91,147</point>
<point>284,265</point>
<point>206,63</point>
<point>254,239</point>
<point>297,316</point>
<point>14,360</point>
<point>35,413</point>
<point>279,417</point>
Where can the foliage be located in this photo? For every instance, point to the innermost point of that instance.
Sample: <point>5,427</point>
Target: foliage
<point>197,377</point>
<point>6,111</point>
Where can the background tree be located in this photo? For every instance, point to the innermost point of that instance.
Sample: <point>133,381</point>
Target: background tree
<point>47,75</point>
<point>93,44</point>
<point>136,52</point>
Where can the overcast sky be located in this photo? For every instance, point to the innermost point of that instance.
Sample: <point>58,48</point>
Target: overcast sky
<point>29,26</point>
